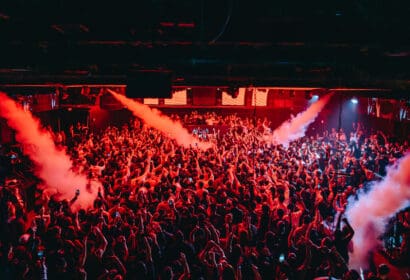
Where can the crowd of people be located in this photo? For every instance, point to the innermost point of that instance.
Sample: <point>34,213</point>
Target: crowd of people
<point>243,209</point>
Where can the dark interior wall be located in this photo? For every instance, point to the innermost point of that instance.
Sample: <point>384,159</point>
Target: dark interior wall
<point>100,118</point>
<point>204,97</point>
<point>6,133</point>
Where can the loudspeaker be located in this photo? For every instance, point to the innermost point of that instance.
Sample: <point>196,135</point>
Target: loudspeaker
<point>154,84</point>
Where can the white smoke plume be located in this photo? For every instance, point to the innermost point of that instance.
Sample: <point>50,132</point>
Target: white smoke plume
<point>296,127</point>
<point>155,119</point>
<point>52,165</point>
<point>370,213</point>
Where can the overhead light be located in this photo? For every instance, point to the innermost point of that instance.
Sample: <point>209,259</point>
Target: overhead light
<point>354,100</point>
<point>314,98</point>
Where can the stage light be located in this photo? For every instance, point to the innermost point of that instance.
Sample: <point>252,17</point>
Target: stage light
<point>354,100</point>
<point>313,98</point>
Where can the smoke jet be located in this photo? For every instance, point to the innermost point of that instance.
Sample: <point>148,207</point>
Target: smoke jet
<point>52,165</point>
<point>296,127</point>
<point>370,213</point>
<point>155,119</point>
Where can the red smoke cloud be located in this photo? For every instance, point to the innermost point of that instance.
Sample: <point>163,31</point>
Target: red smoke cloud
<point>52,165</point>
<point>155,119</point>
<point>369,215</point>
<point>296,127</point>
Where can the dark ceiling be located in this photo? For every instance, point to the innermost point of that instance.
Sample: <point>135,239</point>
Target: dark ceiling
<point>363,43</point>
